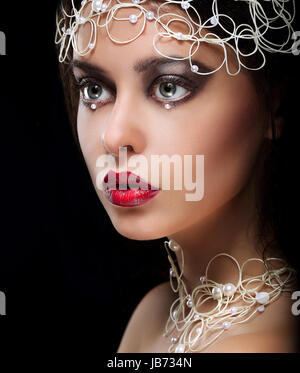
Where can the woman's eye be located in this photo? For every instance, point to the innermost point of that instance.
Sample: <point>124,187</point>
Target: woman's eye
<point>171,90</point>
<point>165,88</point>
<point>95,92</point>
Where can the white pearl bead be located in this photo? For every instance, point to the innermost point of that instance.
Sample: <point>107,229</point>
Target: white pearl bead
<point>174,340</point>
<point>216,292</point>
<point>133,18</point>
<point>150,15</point>
<point>189,303</point>
<point>172,272</point>
<point>261,308</point>
<point>179,36</point>
<point>104,6</point>
<point>233,309</point>
<point>174,314</point>
<point>179,348</point>
<point>83,2</point>
<point>262,297</point>
<point>93,107</point>
<point>195,68</point>
<point>226,325</point>
<point>68,31</point>
<point>185,5</point>
<point>168,106</point>
<point>202,279</point>
<point>196,317</point>
<point>81,20</point>
<point>213,21</point>
<point>96,5</point>
<point>173,245</point>
<point>91,45</point>
<point>229,289</point>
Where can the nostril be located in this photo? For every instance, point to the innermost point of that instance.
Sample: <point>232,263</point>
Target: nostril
<point>129,147</point>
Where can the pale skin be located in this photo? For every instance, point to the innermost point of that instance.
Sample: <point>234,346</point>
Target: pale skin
<point>226,121</point>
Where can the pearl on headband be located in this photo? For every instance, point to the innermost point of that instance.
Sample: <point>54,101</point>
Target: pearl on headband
<point>279,16</point>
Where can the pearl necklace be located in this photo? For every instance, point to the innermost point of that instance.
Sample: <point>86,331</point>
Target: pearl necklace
<point>194,330</point>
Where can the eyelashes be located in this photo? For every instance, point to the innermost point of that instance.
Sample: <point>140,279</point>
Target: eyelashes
<point>90,92</point>
<point>163,90</point>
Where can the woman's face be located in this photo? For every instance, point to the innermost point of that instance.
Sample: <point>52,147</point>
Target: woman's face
<point>218,116</point>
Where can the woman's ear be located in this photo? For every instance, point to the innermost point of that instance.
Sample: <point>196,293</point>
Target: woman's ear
<point>276,119</point>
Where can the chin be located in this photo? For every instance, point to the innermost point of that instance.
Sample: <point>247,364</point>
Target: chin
<point>136,232</point>
<point>139,235</point>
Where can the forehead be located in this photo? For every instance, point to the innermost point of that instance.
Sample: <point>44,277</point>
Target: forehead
<point>120,42</point>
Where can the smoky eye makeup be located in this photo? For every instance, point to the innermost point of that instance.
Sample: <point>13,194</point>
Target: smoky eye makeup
<point>179,68</point>
<point>166,87</point>
<point>175,89</point>
<point>93,92</point>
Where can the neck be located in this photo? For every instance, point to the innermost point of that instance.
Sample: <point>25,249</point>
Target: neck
<point>231,230</point>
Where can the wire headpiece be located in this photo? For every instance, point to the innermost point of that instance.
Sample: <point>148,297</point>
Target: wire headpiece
<point>265,20</point>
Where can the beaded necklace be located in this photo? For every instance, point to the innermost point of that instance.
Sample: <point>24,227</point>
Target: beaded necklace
<point>190,329</point>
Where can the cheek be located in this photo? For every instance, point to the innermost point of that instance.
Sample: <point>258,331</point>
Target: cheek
<point>228,129</point>
<point>231,139</point>
<point>89,138</point>
<point>86,129</point>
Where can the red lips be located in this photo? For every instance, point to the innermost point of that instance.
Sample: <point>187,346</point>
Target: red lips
<point>125,180</point>
<point>127,189</point>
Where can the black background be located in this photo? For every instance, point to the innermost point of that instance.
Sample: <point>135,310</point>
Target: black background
<point>63,267</point>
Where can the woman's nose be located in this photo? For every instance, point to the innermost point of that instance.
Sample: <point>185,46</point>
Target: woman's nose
<point>113,152</point>
<point>124,127</point>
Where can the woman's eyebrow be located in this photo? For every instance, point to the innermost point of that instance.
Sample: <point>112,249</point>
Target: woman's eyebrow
<point>139,67</point>
<point>152,62</point>
<point>88,67</point>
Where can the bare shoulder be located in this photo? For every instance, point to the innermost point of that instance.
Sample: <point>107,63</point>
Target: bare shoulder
<point>258,342</point>
<point>149,314</point>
